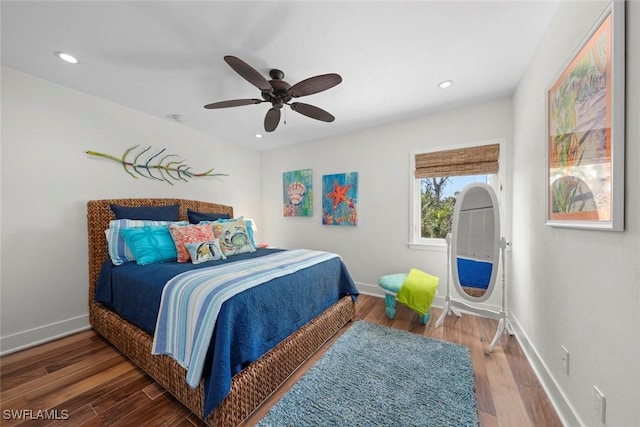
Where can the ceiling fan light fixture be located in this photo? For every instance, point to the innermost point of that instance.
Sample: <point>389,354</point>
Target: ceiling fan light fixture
<point>445,84</point>
<point>278,93</point>
<point>67,57</point>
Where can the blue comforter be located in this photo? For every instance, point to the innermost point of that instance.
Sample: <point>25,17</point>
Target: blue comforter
<point>248,325</point>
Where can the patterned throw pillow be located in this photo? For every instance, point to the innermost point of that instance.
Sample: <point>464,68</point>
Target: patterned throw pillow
<point>190,234</point>
<point>233,237</point>
<point>249,227</point>
<point>205,251</point>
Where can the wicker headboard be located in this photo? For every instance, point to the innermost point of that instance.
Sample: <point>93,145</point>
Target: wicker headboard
<point>99,214</point>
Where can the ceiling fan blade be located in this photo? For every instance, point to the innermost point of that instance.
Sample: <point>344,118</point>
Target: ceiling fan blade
<point>312,111</point>
<point>248,72</point>
<point>233,103</point>
<point>272,119</point>
<point>315,84</point>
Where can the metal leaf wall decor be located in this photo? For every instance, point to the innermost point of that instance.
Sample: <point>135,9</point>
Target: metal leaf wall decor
<point>158,166</point>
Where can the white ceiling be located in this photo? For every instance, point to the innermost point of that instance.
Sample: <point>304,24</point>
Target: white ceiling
<point>166,57</point>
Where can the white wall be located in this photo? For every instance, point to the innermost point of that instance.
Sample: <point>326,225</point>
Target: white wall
<point>47,179</point>
<point>378,245</point>
<point>577,288</point>
<point>568,287</point>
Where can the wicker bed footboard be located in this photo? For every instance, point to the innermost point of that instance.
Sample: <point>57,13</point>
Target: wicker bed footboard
<point>249,388</point>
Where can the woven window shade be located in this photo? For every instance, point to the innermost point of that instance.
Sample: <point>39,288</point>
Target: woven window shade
<point>463,161</point>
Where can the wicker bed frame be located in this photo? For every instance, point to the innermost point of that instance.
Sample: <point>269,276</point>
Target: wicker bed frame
<point>250,387</point>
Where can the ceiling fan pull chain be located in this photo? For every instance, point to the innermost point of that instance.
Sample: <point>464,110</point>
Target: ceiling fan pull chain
<point>285,116</point>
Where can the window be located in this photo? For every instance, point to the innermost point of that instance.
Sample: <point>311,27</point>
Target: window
<point>438,177</point>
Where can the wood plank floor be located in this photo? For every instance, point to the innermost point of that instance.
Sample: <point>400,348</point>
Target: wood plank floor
<point>83,380</point>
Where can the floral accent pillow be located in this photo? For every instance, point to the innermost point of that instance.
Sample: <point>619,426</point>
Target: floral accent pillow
<point>233,236</point>
<point>205,251</point>
<point>190,234</point>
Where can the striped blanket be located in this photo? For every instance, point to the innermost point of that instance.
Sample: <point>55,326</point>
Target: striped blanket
<point>192,300</point>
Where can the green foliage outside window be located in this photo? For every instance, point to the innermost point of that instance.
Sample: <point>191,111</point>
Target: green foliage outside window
<point>436,210</point>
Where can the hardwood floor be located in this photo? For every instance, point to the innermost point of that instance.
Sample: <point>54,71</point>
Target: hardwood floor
<point>82,380</point>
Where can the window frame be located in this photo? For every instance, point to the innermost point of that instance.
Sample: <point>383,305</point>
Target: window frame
<point>496,181</point>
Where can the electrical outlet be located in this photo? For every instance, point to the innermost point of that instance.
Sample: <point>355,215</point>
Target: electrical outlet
<point>599,404</point>
<point>564,359</point>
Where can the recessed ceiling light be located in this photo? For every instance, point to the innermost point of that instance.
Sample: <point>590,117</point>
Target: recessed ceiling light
<point>67,58</point>
<point>445,84</point>
<point>258,135</point>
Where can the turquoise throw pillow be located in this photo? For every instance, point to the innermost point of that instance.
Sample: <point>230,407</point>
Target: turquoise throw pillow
<point>150,244</point>
<point>119,251</point>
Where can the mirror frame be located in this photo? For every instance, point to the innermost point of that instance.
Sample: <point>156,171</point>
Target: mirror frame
<point>496,241</point>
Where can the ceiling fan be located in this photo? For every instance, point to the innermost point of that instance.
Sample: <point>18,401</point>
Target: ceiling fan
<point>279,93</point>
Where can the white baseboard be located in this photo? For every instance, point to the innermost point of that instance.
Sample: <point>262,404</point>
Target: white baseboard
<point>367,289</point>
<point>43,334</point>
<point>566,412</point>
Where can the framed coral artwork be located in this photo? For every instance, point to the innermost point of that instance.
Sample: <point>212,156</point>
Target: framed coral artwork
<point>585,131</point>
<point>340,199</point>
<point>297,193</point>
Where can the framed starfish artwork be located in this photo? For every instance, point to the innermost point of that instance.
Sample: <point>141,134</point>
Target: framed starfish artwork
<point>297,193</point>
<point>340,199</point>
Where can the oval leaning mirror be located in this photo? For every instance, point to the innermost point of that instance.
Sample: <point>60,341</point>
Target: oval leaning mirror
<point>475,242</point>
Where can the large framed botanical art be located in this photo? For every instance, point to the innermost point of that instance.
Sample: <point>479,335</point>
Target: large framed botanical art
<point>585,131</point>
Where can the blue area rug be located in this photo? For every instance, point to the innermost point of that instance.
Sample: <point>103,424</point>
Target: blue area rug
<point>378,376</point>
